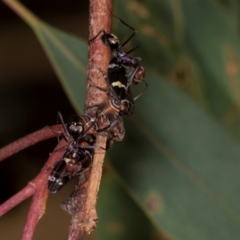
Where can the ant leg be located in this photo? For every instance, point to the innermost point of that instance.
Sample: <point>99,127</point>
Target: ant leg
<point>140,94</point>
<point>132,50</point>
<point>132,35</point>
<point>91,125</point>
<point>130,76</point>
<point>64,126</point>
<point>125,23</point>
<point>105,77</point>
<point>93,147</point>
<point>102,31</point>
<point>86,169</point>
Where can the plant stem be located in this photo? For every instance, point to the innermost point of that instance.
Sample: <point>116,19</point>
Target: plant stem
<point>38,204</point>
<point>29,140</point>
<point>84,218</point>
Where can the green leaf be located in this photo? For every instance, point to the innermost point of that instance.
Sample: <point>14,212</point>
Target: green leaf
<point>213,40</point>
<point>68,54</point>
<point>119,216</point>
<point>214,43</point>
<point>179,166</point>
<point>182,168</point>
<point>195,44</point>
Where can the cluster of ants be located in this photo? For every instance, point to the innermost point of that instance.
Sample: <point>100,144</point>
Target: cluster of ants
<point>80,131</point>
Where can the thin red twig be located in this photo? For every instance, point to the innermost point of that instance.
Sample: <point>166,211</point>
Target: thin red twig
<point>38,205</point>
<point>29,140</point>
<point>18,145</point>
<point>38,186</point>
<point>16,199</point>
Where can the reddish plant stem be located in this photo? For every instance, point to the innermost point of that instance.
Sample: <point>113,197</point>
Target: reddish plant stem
<point>84,218</point>
<point>29,140</point>
<point>38,205</point>
<point>37,187</point>
<point>18,145</point>
<point>16,199</point>
<point>36,211</point>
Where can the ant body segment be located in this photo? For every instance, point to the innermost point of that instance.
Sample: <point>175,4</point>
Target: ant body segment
<point>77,157</point>
<point>133,70</point>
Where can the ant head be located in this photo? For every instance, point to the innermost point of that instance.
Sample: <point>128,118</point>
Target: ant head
<point>75,126</point>
<point>111,40</point>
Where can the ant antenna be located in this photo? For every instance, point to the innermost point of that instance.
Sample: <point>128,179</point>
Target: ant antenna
<point>102,31</point>
<point>64,126</point>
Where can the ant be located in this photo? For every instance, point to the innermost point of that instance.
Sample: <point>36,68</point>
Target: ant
<point>78,154</point>
<point>134,72</point>
<point>118,102</point>
<point>73,163</point>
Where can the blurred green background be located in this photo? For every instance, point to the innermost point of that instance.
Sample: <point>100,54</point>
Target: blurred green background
<point>176,174</point>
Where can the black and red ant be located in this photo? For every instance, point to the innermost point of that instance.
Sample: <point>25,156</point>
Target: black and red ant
<point>78,154</point>
<point>121,63</point>
<point>80,133</point>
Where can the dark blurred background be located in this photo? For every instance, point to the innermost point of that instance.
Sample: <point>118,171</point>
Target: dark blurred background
<point>30,96</point>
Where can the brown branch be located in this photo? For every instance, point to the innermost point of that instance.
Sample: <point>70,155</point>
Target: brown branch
<point>29,140</point>
<point>83,203</point>
<point>99,55</point>
<point>74,204</point>
<point>88,215</point>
